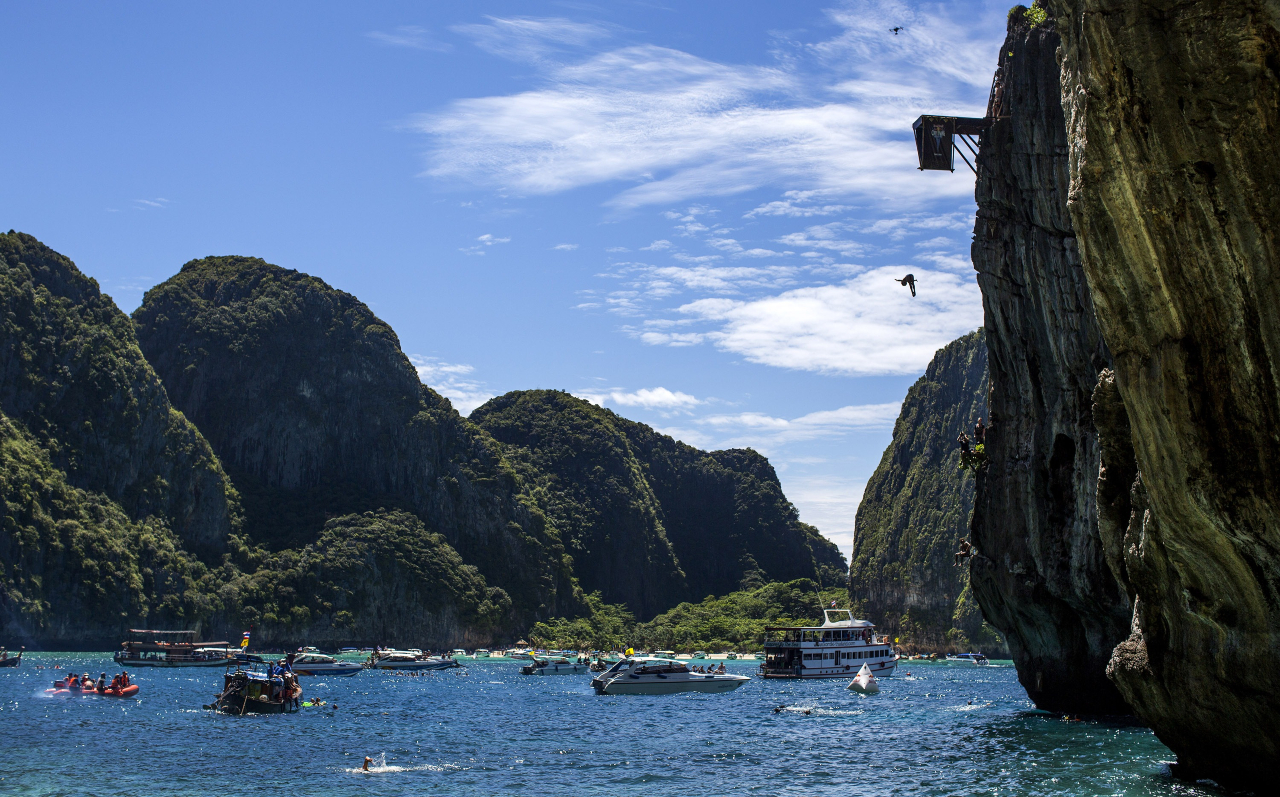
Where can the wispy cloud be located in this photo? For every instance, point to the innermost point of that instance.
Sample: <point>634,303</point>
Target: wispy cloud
<point>797,204</point>
<point>565,247</point>
<point>866,325</point>
<point>453,381</point>
<point>832,116</point>
<point>531,39</point>
<point>411,36</point>
<point>146,204</point>
<point>488,239</point>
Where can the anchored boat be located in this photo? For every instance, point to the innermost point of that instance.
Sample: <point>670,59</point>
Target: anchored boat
<point>320,664</point>
<point>249,690</point>
<point>835,649</point>
<point>408,660</point>
<point>10,661</point>
<point>553,665</point>
<point>171,649</point>
<point>650,675</point>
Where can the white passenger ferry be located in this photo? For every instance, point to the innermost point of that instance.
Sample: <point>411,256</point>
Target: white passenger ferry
<point>836,649</point>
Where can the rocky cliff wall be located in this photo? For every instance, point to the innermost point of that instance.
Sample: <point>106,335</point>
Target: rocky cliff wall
<point>1173,114</point>
<point>916,509</point>
<point>1041,575</point>
<point>308,399</point>
<point>650,521</point>
<point>72,374</point>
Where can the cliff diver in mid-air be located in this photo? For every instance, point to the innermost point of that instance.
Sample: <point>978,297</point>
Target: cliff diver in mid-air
<point>909,280</point>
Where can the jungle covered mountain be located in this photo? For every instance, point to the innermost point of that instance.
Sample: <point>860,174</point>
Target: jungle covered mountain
<point>916,509</point>
<point>649,521</point>
<point>308,400</point>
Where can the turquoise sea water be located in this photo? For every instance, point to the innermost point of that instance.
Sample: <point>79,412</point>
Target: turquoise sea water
<point>945,729</point>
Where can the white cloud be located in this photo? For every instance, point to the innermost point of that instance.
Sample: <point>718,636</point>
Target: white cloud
<point>565,247</point>
<point>143,204</point>
<point>832,117</point>
<point>657,398</point>
<point>450,380</point>
<point>488,239</point>
<point>830,503</point>
<point>531,39</point>
<point>824,236</point>
<point>657,246</point>
<point>867,325</point>
<point>412,36</point>
<point>795,205</point>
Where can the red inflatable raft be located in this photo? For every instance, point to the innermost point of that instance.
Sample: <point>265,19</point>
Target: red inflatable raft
<point>62,688</point>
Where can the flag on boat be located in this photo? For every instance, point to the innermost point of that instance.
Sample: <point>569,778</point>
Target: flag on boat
<point>631,651</point>
<point>833,604</point>
<point>244,643</point>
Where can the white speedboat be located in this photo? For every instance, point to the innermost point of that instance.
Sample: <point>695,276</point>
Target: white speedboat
<point>976,658</point>
<point>320,664</point>
<point>835,649</point>
<point>864,682</point>
<point>481,653</point>
<point>408,660</point>
<point>553,665</point>
<point>650,675</point>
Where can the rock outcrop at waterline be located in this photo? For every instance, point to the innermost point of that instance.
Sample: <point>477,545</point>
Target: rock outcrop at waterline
<point>1173,114</point>
<point>316,412</point>
<point>916,508</point>
<point>1041,575</point>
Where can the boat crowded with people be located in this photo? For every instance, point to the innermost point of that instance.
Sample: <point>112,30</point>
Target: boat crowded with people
<point>651,675</point>
<point>171,649</point>
<point>257,686</point>
<point>120,686</point>
<point>835,649</point>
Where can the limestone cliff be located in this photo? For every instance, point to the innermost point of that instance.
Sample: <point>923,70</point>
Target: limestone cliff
<point>1173,113</point>
<point>650,521</point>
<point>316,412</point>
<point>72,374</point>
<point>916,508</point>
<point>1041,575</point>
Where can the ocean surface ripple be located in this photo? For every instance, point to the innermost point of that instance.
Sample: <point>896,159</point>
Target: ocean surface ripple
<point>945,729</point>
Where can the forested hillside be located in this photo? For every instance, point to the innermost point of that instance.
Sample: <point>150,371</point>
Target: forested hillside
<point>305,484</point>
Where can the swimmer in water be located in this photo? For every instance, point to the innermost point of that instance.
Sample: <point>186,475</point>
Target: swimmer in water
<point>367,760</point>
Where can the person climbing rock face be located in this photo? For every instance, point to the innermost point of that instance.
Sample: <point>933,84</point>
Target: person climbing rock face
<point>966,550</point>
<point>980,432</point>
<point>908,281</point>
<point>963,440</point>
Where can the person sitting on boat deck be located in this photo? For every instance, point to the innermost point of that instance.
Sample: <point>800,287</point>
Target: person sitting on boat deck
<point>124,679</point>
<point>721,670</point>
<point>115,682</point>
<point>102,682</point>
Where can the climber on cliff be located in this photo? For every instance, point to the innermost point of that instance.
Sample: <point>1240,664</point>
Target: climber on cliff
<point>909,280</point>
<point>963,440</point>
<point>980,433</point>
<point>966,550</point>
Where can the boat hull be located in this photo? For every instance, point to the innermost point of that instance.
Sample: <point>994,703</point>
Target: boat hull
<point>670,686</point>
<point>328,669</point>
<point>555,669</point>
<point>810,673</point>
<point>135,663</point>
<point>416,665</point>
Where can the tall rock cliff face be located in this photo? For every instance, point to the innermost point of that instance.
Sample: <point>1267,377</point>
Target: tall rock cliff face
<point>916,508</point>
<point>650,521</point>
<point>586,478</point>
<point>1041,574</point>
<point>71,373</point>
<point>316,412</point>
<point>1173,112</point>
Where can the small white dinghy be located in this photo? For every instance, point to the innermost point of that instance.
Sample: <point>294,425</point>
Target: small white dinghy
<point>864,682</point>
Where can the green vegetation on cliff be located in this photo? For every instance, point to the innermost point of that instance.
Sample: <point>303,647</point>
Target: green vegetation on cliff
<point>648,520</point>
<point>734,622</point>
<point>916,507</point>
<point>307,398</point>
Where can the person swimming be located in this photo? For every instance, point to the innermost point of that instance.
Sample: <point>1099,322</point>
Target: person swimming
<point>367,761</point>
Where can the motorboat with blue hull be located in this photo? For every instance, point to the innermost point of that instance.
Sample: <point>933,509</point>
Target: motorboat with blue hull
<point>409,660</point>
<point>836,649</point>
<point>554,665</point>
<point>650,675</point>
<point>320,664</point>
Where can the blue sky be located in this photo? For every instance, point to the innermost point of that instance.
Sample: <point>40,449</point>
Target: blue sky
<point>690,213</point>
